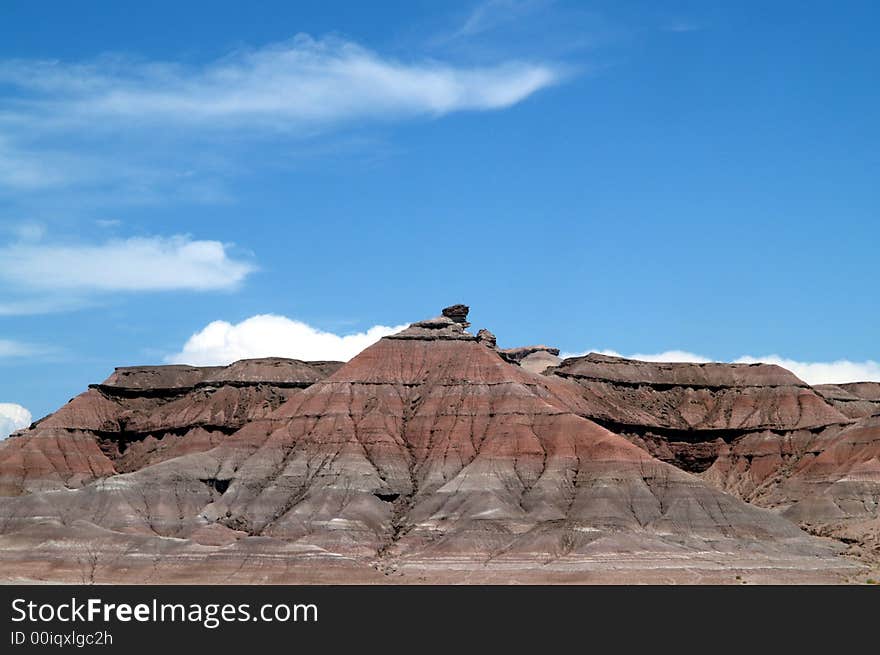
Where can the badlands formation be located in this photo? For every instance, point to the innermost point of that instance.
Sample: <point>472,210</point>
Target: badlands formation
<point>436,456</point>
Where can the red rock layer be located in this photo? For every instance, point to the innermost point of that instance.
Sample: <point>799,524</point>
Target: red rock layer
<point>143,415</point>
<point>429,455</point>
<point>855,400</point>
<point>685,413</point>
<point>426,454</point>
<point>828,482</point>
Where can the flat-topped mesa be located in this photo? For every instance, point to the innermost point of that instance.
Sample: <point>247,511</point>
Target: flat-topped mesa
<point>142,415</point>
<point>685,413</point>
<point>449,326</point>
<point>176,379</point>
<point>277,371</point>
<point>172,376</point>
<point>699,375</point>
<point>698,396</point>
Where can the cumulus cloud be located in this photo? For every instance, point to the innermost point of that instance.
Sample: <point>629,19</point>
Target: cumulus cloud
<point>269,335</point>
<point>13,417</point>
<point>135,264</point>
<point>835,372</point>
<point>300,82</point>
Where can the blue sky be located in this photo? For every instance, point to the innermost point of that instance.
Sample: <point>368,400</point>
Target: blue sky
<point>637,177</point>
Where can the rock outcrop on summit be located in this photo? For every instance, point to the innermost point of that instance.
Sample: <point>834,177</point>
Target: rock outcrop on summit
<point>435,456</point>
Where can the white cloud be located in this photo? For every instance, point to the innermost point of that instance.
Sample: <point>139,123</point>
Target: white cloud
<point>135,264</point>
<point>13,417</point>
<point>835,372</point>
<point>300,82</point>
<point>133,131</point>
<point>665,356</point>
<point>268,335</point>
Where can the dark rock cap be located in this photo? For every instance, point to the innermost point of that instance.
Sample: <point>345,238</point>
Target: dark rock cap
<point>457,313</point>
<point>451,325</point>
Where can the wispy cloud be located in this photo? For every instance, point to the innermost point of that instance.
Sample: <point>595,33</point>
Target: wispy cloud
<point>12,348</point>
<point>135,130</point>
<point>48,304</point>
<point>268,335</point>
<point>492,27</point>
<point>136,168</point>
<point>135,264</point>
<point>24,169</point>
<point>490,14</point>
<point>835,372</point>
<point>302,82</point>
